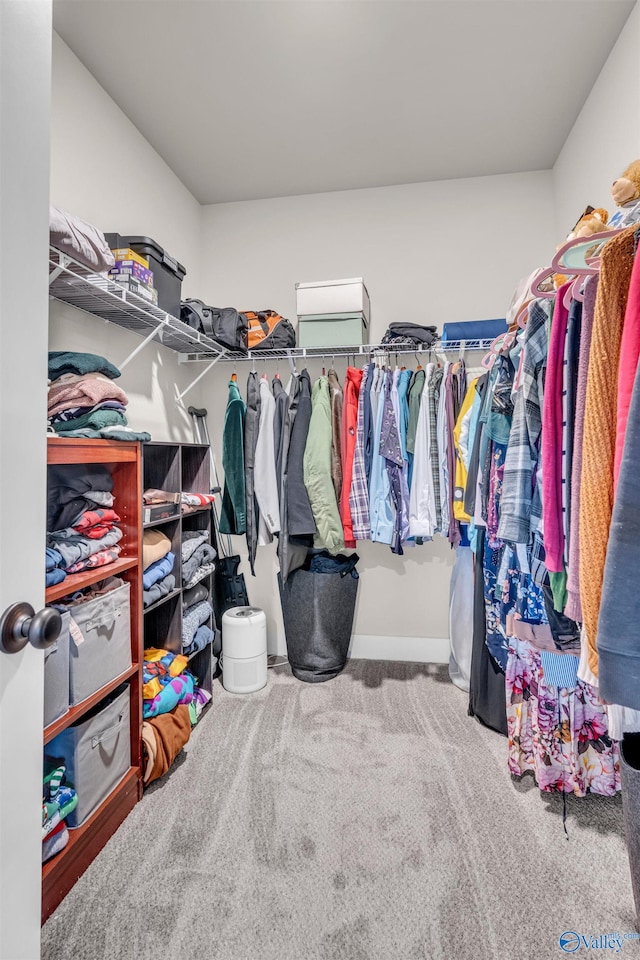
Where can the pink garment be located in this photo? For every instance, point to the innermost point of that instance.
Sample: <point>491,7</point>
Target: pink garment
<point>629,356</point>
<point>84,393</point>
<point>573,608</point>
<point>552,439</point>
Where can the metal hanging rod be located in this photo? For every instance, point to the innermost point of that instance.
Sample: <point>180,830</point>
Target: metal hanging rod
<point>357,350</point>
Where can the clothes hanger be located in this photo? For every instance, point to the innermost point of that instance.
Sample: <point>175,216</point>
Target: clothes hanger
<point>419,365</point>
<point>234,375</point>
<point>581,256</point>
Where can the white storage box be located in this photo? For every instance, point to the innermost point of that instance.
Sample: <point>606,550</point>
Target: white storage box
<point>333,296</point>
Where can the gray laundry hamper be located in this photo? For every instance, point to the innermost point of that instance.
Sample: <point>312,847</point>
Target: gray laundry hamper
<point>318,607</point>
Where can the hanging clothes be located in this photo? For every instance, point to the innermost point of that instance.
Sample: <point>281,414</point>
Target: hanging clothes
<point>352,383</point>
<point>359,494</point>
<point>266,478</point>
<point>435,383</point>
<point>292,551</point>
<point>233,518</point>
<point>416,386</point>
<point>399,396</point>
<point>629,357</point>
<point>380,506</point>
<point>422,505</point>
<point>391,451</point>
<point>300,516</point>
<point>573,607</point>
<point>443,453</point>
<point>596,494</point>
<point>335,391</point>
<point>460,442</point>
<point>251,422</point>
<point>318,474</point>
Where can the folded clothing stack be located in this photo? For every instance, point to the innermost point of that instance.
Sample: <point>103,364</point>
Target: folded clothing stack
<point>165,682</point>
<point>195,601</point>
<point>59,799</point>
<point>83,399</point>
<point>197,557</point>
<point>157,565</point>
<point>160,505</point>
<point>192,502</point>
<point>196,611</point>
<point>410,335</point>
<point>82,526</point>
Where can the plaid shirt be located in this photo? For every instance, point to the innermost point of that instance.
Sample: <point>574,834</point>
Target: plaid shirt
<point>359,493</point>
<point>434,398</point>
<point>521,505</point>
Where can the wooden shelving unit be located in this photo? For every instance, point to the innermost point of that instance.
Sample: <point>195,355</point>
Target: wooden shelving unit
<point>124,462</point>
<point>178,467</point>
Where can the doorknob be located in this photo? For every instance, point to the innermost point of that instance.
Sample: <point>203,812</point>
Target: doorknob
<point>20,624</point>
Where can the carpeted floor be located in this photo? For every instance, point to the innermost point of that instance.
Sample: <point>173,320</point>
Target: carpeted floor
<point>367,818</point>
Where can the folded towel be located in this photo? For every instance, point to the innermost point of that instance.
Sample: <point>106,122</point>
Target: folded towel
<point>197,499</point>
<point>157,571</point>
<point>53,558</point>
<point>155,546</point>
<point>191,540</point>
<point>74,413</point>
<point>52,577</point>
<point>109,433</point>
<point>68,361</point>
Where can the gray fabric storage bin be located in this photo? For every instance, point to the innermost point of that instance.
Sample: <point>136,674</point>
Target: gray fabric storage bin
<point>97,753</point>
<point>56,674</point>
<point>318,611</point>
<point>105,651</point>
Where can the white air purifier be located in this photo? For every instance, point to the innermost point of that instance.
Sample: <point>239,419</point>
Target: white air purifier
<point>244,650</point>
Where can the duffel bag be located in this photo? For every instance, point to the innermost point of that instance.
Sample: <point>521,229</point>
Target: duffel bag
<point>223,324</point>
<point>267,330</point>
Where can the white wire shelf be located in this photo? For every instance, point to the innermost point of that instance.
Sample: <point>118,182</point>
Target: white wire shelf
<point>73,283</point>
<point>355,351</point>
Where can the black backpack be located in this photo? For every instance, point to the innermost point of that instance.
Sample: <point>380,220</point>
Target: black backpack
<point>223,324</point>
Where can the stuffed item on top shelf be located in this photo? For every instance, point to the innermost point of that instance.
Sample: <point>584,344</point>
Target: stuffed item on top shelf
<point>593,220</point>
<point>626,194</point>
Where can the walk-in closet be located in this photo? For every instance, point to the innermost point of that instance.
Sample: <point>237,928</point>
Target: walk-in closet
<point>320,399</point>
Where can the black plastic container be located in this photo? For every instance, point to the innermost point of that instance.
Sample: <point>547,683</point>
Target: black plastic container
<point>168,274</point>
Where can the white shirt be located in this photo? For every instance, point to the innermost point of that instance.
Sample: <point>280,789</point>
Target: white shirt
<point>265,479</point>
<point>443,446</point>
<point>422,497</point>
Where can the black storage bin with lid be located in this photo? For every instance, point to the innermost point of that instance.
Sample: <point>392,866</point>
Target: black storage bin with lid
<point>168,274</point>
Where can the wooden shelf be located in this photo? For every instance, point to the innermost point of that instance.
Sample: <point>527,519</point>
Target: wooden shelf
<point>77,581</point>
<point>161,521</point>
<point>61,450</point>
<point>74,713</point>
<point>158,603</point>
<point>61,872</point>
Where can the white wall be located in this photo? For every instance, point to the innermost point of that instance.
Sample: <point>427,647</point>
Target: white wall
<point>429,252</point>
<point>102,169</point>
<point>606,136</point>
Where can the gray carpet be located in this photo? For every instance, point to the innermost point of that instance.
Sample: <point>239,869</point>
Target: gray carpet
<point>367,818</point>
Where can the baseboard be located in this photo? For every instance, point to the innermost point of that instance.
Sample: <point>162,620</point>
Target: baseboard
<point>414,649</point>
<point>371,647</point>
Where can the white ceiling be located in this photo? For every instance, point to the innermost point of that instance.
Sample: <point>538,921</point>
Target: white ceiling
<point>263,98</point>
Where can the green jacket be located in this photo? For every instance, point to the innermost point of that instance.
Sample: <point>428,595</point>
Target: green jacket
<point>233,517</point>
<point>317,471</point>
